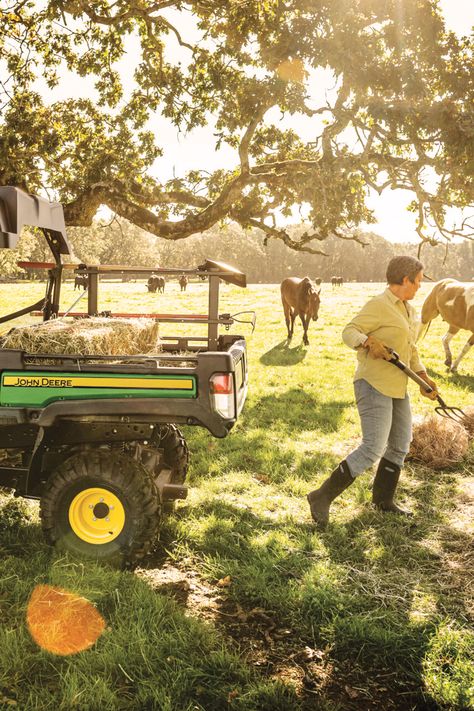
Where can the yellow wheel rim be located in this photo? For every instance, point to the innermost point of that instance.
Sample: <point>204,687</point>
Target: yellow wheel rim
<point>96,516</point>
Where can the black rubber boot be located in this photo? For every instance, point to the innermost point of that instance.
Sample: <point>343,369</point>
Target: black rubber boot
<point>320,499</point>
<point>383,490</point>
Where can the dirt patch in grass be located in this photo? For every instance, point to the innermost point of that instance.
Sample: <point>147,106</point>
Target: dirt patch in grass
<point>276,651</point>
<point>317,675</point>
<point>187,588</point>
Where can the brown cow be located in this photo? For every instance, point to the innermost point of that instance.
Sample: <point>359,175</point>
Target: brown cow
<point>81,282</point>
<point>299,298</point>
<point>454,302</point>
<point>152,283</point>
<point>156,282</point>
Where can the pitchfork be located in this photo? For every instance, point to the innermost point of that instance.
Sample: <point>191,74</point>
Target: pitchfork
<point>452,413</point>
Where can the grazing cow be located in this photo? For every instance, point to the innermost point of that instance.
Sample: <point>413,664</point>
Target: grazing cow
<point>152,283</point>
<point>155,283</point>
<point>81,282</point>
<point>183,282</point>
<point>337,281</point>
<point>318,281</point>
<point>454,302</point>
<point>299,298</point>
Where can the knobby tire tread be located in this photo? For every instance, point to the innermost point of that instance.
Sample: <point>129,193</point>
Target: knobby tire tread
<point>122,473</point>
<point>176,454</point>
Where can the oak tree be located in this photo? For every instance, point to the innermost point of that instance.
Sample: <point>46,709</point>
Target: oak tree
<point>399,113</point>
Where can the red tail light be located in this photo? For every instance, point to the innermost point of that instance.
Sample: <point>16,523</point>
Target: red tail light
<point>222,384</point>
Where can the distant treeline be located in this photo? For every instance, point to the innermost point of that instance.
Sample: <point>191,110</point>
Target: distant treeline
<point>346,258</point>
<point>122,243</point>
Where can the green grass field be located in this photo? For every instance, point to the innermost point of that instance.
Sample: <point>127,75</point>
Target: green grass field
<point>243,605</point>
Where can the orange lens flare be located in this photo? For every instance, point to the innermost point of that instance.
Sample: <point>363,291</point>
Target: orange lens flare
<point>62,622</point>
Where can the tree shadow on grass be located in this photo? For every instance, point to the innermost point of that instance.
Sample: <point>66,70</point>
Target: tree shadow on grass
<point>185,662</point>
<point>295,410</point>
<point>282,354</point>
<point>250,448</point>
<point>322,610</point>
<point>352,590</point>
<point>418,584</point>
<point>376,583</point>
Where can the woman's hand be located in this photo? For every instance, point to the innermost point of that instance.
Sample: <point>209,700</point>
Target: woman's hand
<point>376,348</point>
<point>432,395</point>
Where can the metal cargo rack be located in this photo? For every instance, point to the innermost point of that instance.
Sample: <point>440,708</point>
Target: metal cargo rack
<point>211,270</point>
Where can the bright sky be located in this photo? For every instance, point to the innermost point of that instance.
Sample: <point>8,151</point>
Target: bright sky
<point>195,150</point>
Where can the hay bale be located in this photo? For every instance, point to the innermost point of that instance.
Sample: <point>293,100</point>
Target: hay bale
<point>87,336</point>
<point>468,421</point>
<point>438,442</point>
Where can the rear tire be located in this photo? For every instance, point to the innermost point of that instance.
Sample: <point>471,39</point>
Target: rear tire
<point>175,452</point>
<point>101,505</point>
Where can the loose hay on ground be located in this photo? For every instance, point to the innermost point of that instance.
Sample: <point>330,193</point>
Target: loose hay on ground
<point>438,442</point>
<point>468,421</point>
<point>88,336</point>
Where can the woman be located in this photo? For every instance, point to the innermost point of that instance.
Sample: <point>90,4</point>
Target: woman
<point>386,321</point>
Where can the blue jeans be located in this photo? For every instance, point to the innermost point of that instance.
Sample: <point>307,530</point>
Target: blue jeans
<point>386,428</point>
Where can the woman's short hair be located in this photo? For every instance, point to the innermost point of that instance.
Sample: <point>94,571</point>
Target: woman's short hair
<point>400,267</point>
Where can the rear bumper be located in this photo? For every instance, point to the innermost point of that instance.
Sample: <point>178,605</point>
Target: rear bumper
<point>186,412</point>
<point>195,410</point>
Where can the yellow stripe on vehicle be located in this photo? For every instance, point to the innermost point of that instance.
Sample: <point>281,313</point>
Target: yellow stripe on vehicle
<point>100,382</point>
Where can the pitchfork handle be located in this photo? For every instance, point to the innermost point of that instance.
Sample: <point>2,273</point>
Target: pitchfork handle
<point>454,413</point>
<point>411,373</point>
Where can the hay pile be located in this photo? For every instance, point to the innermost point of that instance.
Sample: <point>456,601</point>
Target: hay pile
<point>87,336</point>
<point>438,442</point>
<point>468,421</point>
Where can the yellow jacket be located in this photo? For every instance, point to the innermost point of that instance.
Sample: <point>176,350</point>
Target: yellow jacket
<point>394,322</point>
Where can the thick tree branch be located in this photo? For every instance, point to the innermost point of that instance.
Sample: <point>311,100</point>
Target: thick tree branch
<point>247,137</point>
<point>81,211</point>
<point>137,204</point>
<point>342,119</point>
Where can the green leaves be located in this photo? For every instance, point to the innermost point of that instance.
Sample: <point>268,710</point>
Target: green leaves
<point>388,90</point>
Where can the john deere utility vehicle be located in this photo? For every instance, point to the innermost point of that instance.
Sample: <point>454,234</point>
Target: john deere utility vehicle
<point>95,438</point>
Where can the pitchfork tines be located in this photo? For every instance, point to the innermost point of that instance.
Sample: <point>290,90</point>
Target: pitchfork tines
<point>452,413</point>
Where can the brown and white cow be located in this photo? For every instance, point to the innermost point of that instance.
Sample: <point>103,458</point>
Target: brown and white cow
<point>454,302</point>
